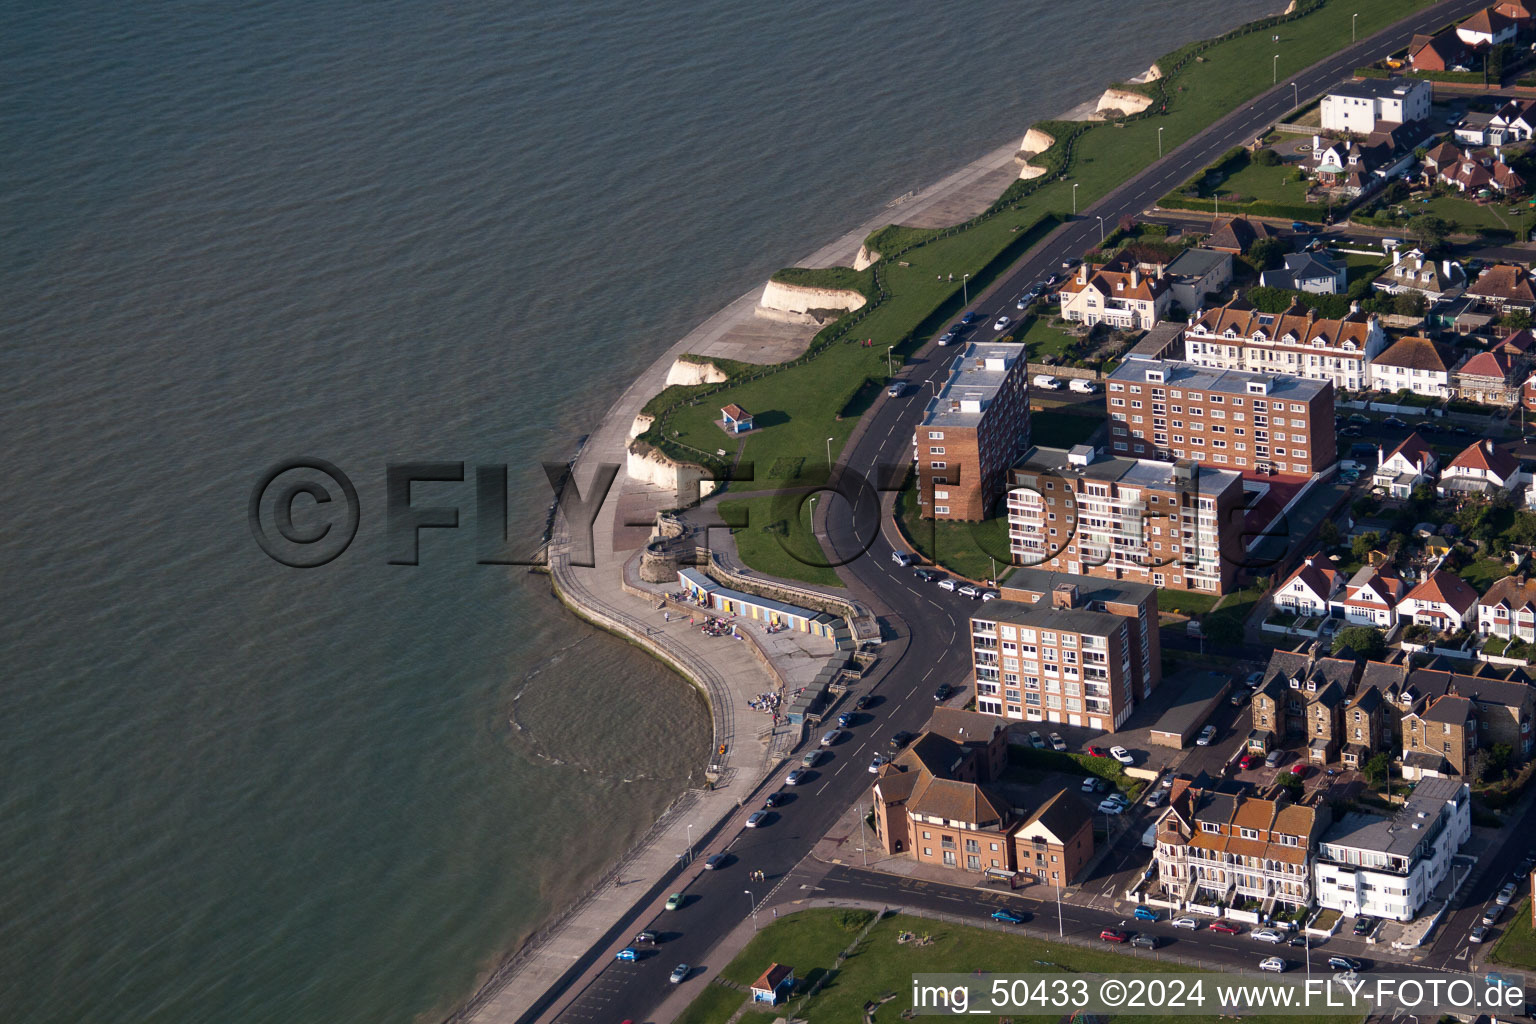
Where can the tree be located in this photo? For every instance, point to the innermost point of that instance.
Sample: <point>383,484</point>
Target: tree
<point>1432,230</point>
<point>1266,253</point>
<point>1377,767</point>
<point>1409,304</point>
<point>1366,641</point>
<point>1223,629</point>
<point>1424,495</point>
<point>1328,534</point>
<point>1496,765</point>
<point>1267,157</point>
<point>1517,319</point>
<point>1292,784</point>
<point>1364,544</point>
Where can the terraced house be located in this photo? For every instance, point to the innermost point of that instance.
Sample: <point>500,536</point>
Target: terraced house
<point>1298,342</point>
<point>1303,697</point>
<point>1503,711</point>
<point>1218,847</point>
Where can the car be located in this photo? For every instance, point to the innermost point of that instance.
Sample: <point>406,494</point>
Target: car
<point>925,575</point>
<point>1299,770</point>
<point>674,901</point>
<point>861,703</point>
<point>969,590</point>
<point>795,777</point>
<point>811,759</point>
<point>1526,865</point>
<point>1253,680</point>
<point>1506,894</point>
<point>875,763</point>
<point>1226,928</point>
<point>1478,933</point>
<point>1167,782</point>
<point>679,973</point>
<point>942,693</point>
<point>1050,282</point>
<point>1491,913</point>
<point>897,389</point>
<point>1145,941</point>
<point>1356,417</point>
<point>969,319</point>
<point>1297,225</point>
<point>1364,926</point>
<point>756,818</point>
<point>1299,942</point>
<point>644,939</point>
<point>831,736</point>
<point>947,583</point>
<point>720,860</point>
<point>628,955</point>
<point>1206,735</point>
<point>899,739</point>
<point>1272,963</point>
<point>949,337</point>
<point>1115,935</point>
<point>773,800</point>
<point>1394,421</point>
<point>1109,805</point>
<point>1237,698</point>
<point>1096,752</point>
<point>1268,935</point>
<point>1007,916</point>
<point>1157,798</point>
<point>1070,262</point>
<point>1026,300</point>
<point>1246,761</point>
<point>1144,914</point>
<point>1189,924</point>
<point>1343,963</point>
<point>990,595</point>
<point>1498,980</point>
<point>901,558</point>
<point>1035,739</point>
<point>1092,784</point>
<point>1122,755</point>
<point>1272,759</point>
<point>844,720</point>
<point>1057,743</point>
<point>1351,432</point>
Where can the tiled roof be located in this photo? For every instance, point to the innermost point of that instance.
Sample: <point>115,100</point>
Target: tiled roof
<point>1446,588</point>
<point>1415,353</point>
<point>1063,816</point>
<point>1514,591</point>
<point>1488,21</point>
<point>1237,233</point>
<point>1298,324</point>
<point>1413,447</point>
<point>1487,364</point>
<point>1315,572</point>
<point>1449,709</point>
<point>1380,580</point>
<point>1118,279</point>
<point>953,800</point>
<point>1488,457</point>
<point>736,412</point>
<point>963,727</point>
<point>1505,282</point>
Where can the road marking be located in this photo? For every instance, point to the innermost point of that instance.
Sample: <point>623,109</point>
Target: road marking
<point>824,785</point>
<point>840,767</point>
<point>911,691</point>
<point>1463,954</point>
<point>927,674</point>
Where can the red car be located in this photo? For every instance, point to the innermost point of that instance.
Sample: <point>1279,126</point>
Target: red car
<point>1298,769</point>
<point>1114,935</point>
<point>1226,928</point>
<point>1096,752</point>
<point>1246,762</point>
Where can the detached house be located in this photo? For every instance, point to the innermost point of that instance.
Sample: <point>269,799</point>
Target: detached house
<point>1411,463</point>
<point>1504,286</point>
<point>1411,272</point>
<point>1483,468</point>
<point>1371,597</point>
<point>1310,589</point>
<point>1414,364</point>
<point>1515,121</point>
<point>1443,602</point>
<point>1298,342</point>
<point>1486,28</point>
<point>1436,53</point>
<point>1235,235</point>
<point>1509,609</point>
<point>1488,377</point>
<point>1307,272</point>
<point>1117,293</point>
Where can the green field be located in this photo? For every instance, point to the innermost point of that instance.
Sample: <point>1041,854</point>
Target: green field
<point>1043,340</point>
<point>1517,946</point>
<point>879,969</point>
<point>966,549</point>
<point>1269,184</point>
<point>1468,217</point>
<point>776,538</point>
<point>1483,573</point>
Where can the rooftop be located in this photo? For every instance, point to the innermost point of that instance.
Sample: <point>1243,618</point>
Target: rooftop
<point>973,384</point>
<point>1147,473</point>
<point>1198,262</point>
<point>1190,376</point>
<point>1089,588</point>
<point>1397,835</point>
<point>1376,88</point>
<point>1042,616</point>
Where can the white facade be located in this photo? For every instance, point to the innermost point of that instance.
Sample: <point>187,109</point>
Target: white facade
<point>1360,106</point>
<point>1497,620</point>
<point>1441,615</point>
<point>1429,383</point>
<point>1346,364</point>
<point>1371,600</point>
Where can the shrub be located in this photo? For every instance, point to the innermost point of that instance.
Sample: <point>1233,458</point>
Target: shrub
<point>1267,157</point>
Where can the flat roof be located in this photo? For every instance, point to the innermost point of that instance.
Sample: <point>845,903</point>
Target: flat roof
<point>1198,262</point>
<point>1158,338</point>
<point>973,383</point>
<point>1043,616</point>
<point>1396,835</point>
<point>1180,374</point>
<point>1375,88</point>
<point>702,581</point>
<point>1192,704</point>
<point>1145,473</point>
<point>1089,588</point>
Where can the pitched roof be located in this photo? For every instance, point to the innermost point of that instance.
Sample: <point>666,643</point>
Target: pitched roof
<point>1445,588</point>
<point>1488,457</point>
<point>1514,591</point>
<point>1298,323</point>
<point>1237,234</point>
<point>1486,20</point>
<point>1446,46</point>
<point>1316,573</point>
<point>1506,282</point>
<point>1488,364</point>
<point>1449,709</point>
<point>1413,448</point>
<point>735,412</point>
<point>1118,279</point>
<point>956,801</point>
<point>1063,815</point>
<point>1415,353</point>
<point>963,727</point>
<point>1517,342</point>
<point>1379,580</point>
<point>772,978</point>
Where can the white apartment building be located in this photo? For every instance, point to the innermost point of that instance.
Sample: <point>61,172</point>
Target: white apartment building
<point>1389,867</point>
<point>1363,107</point>
<point>1238,337</point>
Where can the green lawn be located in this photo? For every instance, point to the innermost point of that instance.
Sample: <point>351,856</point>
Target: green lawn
<point>1468,216</point>
<point>713,1005</point>
<point>1269,184</point>
<point>966,549</point>
<point>1041,339</point>
<point>776,538</point>
<point>1517,946</point>
<point>809,940</point>
<point>1234,609</point>
<point>1483,573</point>
<point>1185,602</point>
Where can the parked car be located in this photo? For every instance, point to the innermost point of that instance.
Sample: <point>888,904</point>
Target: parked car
<point>845,719</point>
<point>1092,784</point>
<point>811,759</point>
<point>1002,323</point>
<point>950,336</point>
<point>969,590</point>
<point>1206,735</point>
<point>1122,755</point>
<point>1026,300</point>
<point>795,777</point>
<point>989,595</point>
<point>1157,798</point>
<point>925,575</point>
<point>1343,963</point>
<point>1299,941</point>
<point>679,973</point>
<point>1247,761</point>
<point>1237,698</point>
<point>1226,928</point>
<point>1144,914</point>
<point>1268,935</point>
<point>900,739</point>
<point>674,901</point>
<point>1299,770</point>
<point>901,558</point>
<point>1057,743</point>
<point>1110,805</point>
<point>628,955</point>
<point>1364,926</point>
<point>1394,421</point>
<point>1035,740</point>
<point>831,736</point>
<point>1167,782</point>
<point>942,693</point>
<point>1191,924</point>
<point>1046,381</point>
<point>1253,680</point>
<point>720,860</point>
<point>1491,913</point>
<point>1007,917</point>
<point>756,818</point>
<point>1272,759</point>
<point>1145,941</point>
<point>1082,386</point>
<point>1478,933</point>
<point>773,800</point>
<point>875,763</point>
<point>1356,417</point>
<point>947,583</point>
<point>897,389</point>
<point>1273,964</point>
<point>1096,752</point>
<point>1114,935</point>
<point>1506,894</point>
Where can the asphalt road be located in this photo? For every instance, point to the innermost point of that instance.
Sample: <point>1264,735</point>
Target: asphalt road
<point>926,626</point>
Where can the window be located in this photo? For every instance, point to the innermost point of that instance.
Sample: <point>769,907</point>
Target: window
<point>938,465</point>
<point>941,510</point>
<point>935,435</point>
<point>935,451</point>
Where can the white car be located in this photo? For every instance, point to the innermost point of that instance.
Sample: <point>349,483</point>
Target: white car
<point>1035,740</point>
<point>989,595</point>
<point>969,590</point>
<point>1268,935</point>
<point>1272,963</point>
<point>1092,784</point>
<point>1046,381</point>
<point>831,736</point>
<point>1206,735</point>
<point>756,818</point>
<point>679,973</point>
<point>1111,805</point>
<point>1026,300</point>
<point>874,765</point>
<point>1157,798</point>
<point>1003,323</point>
<point>947,583</point>
<point>1122,755</point>
<point>1057,743</point>
<point>1187,923</point>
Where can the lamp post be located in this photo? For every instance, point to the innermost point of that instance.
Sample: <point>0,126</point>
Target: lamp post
<point>1061,928</point>
<point>889,372</point>
<point>1295,96</point>
<point>1101,230</point>
<point>1160,143</point>
<point>690,842</point>
<point>965,289</point>
<point>1352,19</point>
<point>1074,198</point>
<point>829,453</point>
<point>1274,70</point>
<point>752,903</point>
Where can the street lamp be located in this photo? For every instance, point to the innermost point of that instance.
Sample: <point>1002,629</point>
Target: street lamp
<point>889,372</point>
<point>1352,19</point>
<point>965,289</point>
<point>1274,70</point>
<point>752,903</point>
<point>1061,928</point>
<point>1295,96</point>
<point>1101,230</point>
<point>690,842</point>
<point>829,453</point>
<point>1160,143</point>
<point>1074,198</point>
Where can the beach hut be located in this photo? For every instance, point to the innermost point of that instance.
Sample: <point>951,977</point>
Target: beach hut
<point>773,984</point>
<point>736,419</point>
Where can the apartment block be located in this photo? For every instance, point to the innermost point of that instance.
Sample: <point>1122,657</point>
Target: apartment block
<point>972,431</point>
<point>1389,867</point>
<point>1232,419</point>
<point>1298,342</point>
<point>1171,525</point>
<point>1375,103</point>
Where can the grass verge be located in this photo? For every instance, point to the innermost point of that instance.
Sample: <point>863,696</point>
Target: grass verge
<point>775,537</point>
<point>1517,946</point>
<point>966,549</point>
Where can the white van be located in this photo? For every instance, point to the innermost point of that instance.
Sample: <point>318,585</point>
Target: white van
<point>1149,837</point>
<point>1045,380</point>
<point>1082,386</point>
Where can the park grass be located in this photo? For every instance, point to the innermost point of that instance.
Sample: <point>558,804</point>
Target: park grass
<point>1483,573</point>
<point>774,537</point>
<point>879,966</point>
<point>1468,217</point>
<point>1517,946</point>
<point>965,549</point>
<point>713,1005</point>
<point>1266,184</point>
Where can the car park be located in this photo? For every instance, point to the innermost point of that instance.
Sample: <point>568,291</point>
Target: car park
<point>1114,935</point>
<point>628,955</point>
<point>795,777</point>
<point>1035,739</point>
<point>969,590</point>
<point>1273,964</point>
<point>1122,755</point>
<point>897,389</point>
<point>1226,928</point>
<point>1268,935</point>
<point>1007,917</point>
<point>674,901</point>
<point>1057,743</point>
<point>811,759</point>
<point>1364,926</point>
<point>943,693</point>
<point>679,973</point>
<point>720,860</point>
<point>901,558</point>
<point>1145,941</point>
<point>947,583</point>
<point>1506,894</point>
<point>1343,963</point>
<point>756,818</point>
<point>1206,735</point>
<point>1189,924</point>
<point>773,800</point>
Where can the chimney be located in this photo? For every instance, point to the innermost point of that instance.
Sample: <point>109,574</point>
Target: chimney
<point>1135,277</point>
<point>1488,446</point>
<point>1082,274</point>
<point>1311,314</point>
<point>1445,269</point>
<point>1317,145</point>
<point>1064,596</point>
<point>1307,561</point>
<point>1160,271</point>
<point>1396,256</point>
<point>1354,307</point>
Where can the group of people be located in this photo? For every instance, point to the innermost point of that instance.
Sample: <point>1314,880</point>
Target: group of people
<point>718,627</point>
<point>756,876</point>
<point>766,702</point>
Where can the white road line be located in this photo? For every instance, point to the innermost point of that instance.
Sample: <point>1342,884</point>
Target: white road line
<point>840,767</point>
<point>876,730</point>
<point>824,785</point>
<point>911,691</point>
<point>927,674</point>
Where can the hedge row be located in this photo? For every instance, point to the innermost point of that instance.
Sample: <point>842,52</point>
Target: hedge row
<point>1258,208</point>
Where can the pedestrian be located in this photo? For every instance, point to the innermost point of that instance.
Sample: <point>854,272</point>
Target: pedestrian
<point>667,616</point>
<point>775,912</point>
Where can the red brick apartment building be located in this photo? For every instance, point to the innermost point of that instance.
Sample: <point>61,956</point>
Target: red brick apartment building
<point>972,431</point>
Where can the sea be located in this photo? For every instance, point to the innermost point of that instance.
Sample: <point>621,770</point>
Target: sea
<point>374,235</point>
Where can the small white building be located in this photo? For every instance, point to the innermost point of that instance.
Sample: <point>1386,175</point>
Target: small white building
<point>1362,107</point>
<point>1309,589</point>
<point>1444,602</point>
<point>1389,867</point>
<point>1371,597</point>
<point>1413,364</point>
<point>1486,28</point>
<point>1411,463</point>
<point>1509,609</point>
<point>1483,468</point>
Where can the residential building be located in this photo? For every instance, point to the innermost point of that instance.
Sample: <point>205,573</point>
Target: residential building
<point>1236,419</point>
<point>1439,739</point>
<point>1360,106</point>
<point>1308,272</point>
<point>1238,337</point>
<point>1487,377</point>
<point>1505,708</point>
<point>1311,588</point>
<point>1504,287</point>
<point>1236,235</point>
<point>1370,864</point>
<point>1303,698</point>
<point>1364,729</point>
<point>1057,663</point>
<point>1436,53</point>
<point>1521,12</point>
<point>1515,121</point>
<point>1414,364</point>
<point>1164,341</point>
<point>1222,848</point>
<point>1117,293</point>
<point>1135,602</point>
<point>1371,597</point>
<point>1411,463</point>
<point>1485,468</point>
<point>1411,272</point>
<point>1473,172</point>
<point>1197,273</point>
<point>1486,28</point>
<point>1174,525</point>
<point>1055,843</point>
<point>1444,602</point>
<point>1508,609</point>
<point>972,431</point>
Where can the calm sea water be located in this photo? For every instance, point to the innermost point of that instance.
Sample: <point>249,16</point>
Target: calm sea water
<point>235,234</point>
